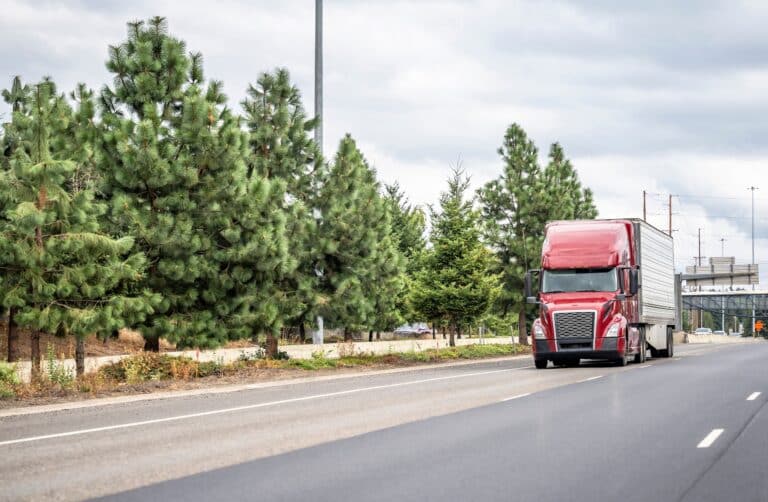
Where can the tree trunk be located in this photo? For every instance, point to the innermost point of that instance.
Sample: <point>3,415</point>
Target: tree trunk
<point>152,344</point>
<point>13,336</point>
<point>347,335</point>
<point>271,348</point>
<point>370,335</point>
<point>443,332</point>
<point>522,327</point>
<point>378,335</point>
<point>302,333</point>
<point>458,332</point>
<point>80,356</point>
<point>451,338</point>
<point>34,339</point>
<point>434,331</point>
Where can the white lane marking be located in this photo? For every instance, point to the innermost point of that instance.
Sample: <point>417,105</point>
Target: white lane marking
<point>677,358</point>
<point>644,366</point>
<point>711,438</point>
<point>250,407</point>
<point>515,397</point>
<point>753,396</point>
<point>590,379</point>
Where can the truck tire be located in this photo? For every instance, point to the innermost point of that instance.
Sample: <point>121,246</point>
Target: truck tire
<point>540,363</point>
<point>670,350</point>
<point>640,356</point>
<point>622,361</point>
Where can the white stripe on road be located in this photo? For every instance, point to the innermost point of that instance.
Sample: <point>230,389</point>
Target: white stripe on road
<point>250,407</point>
<point>753,396</point>
<point>644,366</point>
<point>590,379</point>
<point>515,397</point>
<point>711,438</point>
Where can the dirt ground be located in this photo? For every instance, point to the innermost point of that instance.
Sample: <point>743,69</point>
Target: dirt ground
<point>128,342</point>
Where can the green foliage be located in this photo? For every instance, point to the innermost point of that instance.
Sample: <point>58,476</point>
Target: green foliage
<point>456,283</point>
<point>361,270</point>
<point>282,151</point>
<point>57,373</point>
<point>150,366</point>
<point>62,273</point>
<point>517,205</point>
<point>9,379</point>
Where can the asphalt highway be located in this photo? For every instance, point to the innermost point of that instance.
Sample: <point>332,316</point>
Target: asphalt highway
<point>694,427</point>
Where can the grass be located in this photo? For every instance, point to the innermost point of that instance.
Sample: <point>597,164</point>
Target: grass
<point>139,372</point>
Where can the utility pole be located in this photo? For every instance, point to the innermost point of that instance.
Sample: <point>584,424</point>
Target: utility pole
<point>699,255</point>
<point>752,189</point>
<point>644,211</point>
<point>670,215</point>
<point>722,246</point>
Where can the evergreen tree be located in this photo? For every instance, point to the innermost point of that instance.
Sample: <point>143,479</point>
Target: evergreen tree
<point>173,166</point>
<point>18,98</point>
<point>516,207</point>
<point>456,283</point>
<point>61,270</point>
<point>356,253</point>
<point>408,224</point>
<point>567,199</point>
<point>282,151</point>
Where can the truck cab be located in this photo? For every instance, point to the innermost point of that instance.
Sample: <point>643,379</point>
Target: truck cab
<point>590,293</point>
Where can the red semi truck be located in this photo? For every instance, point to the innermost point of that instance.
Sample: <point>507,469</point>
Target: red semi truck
<point>607,290</point>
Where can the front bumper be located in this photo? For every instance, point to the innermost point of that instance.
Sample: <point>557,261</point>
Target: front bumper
<point>583,349</point>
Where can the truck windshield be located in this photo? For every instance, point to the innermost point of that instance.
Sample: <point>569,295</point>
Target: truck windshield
<point>560,281</point>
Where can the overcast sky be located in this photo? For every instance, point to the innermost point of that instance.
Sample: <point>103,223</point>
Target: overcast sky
<point>670,97</point>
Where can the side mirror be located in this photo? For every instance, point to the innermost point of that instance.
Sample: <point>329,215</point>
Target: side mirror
<point>634,283</point>
<point>620,297</point>
<point>527,286</point>
<point>531,300</point>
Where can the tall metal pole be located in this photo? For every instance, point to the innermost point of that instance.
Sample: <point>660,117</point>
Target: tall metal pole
<point>319,338</point>
<point>698,258</point>
<point>644,213</point>
<point>319,73</point>
<point>752,189</point>
<point>670,215</point>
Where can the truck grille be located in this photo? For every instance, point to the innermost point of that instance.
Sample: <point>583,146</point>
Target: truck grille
<point>575,325</point>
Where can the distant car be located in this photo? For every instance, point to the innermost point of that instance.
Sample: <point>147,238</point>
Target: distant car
<point>418,328</point>
<point>702,331</point>
<point>718,332</point>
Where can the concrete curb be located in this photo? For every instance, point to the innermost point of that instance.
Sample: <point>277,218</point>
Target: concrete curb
<point>107,401</point>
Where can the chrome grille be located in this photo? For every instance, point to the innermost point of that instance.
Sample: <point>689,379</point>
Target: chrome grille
<point>574,324</point>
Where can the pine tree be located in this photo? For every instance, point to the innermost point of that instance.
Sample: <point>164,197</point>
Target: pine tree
<point>353,243</point>
<point>516,207</point>
<point>63,271</point>
<point>408,225</point>
<point>566,198</point>
<point>282,151</point>
<point>18,98</point>
<point>172,163</point>
<point>456,283</point>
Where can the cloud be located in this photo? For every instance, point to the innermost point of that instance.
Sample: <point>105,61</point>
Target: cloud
<point>663,96</point>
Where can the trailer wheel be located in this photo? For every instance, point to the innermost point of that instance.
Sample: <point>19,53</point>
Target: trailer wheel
<point>540,363</point>
<point>640,356</point>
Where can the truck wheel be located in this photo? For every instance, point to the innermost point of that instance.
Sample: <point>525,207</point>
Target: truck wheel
<point>622,361</point>
<point>670,350</point>
<point>540,363</point>
<point>640,356</point>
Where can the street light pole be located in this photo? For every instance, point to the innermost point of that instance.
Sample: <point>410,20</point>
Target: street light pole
<point>752,189</point>
<point>319,73</point>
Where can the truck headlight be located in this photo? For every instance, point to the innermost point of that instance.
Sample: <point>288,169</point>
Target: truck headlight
<point>538,331</point>
<point>613,331</point>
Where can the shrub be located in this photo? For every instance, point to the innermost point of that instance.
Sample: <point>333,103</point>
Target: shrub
<point>9,379</point>
<point>58,373</point>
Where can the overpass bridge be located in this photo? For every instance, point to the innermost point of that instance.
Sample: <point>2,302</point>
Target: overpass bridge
<point>728,308</point>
